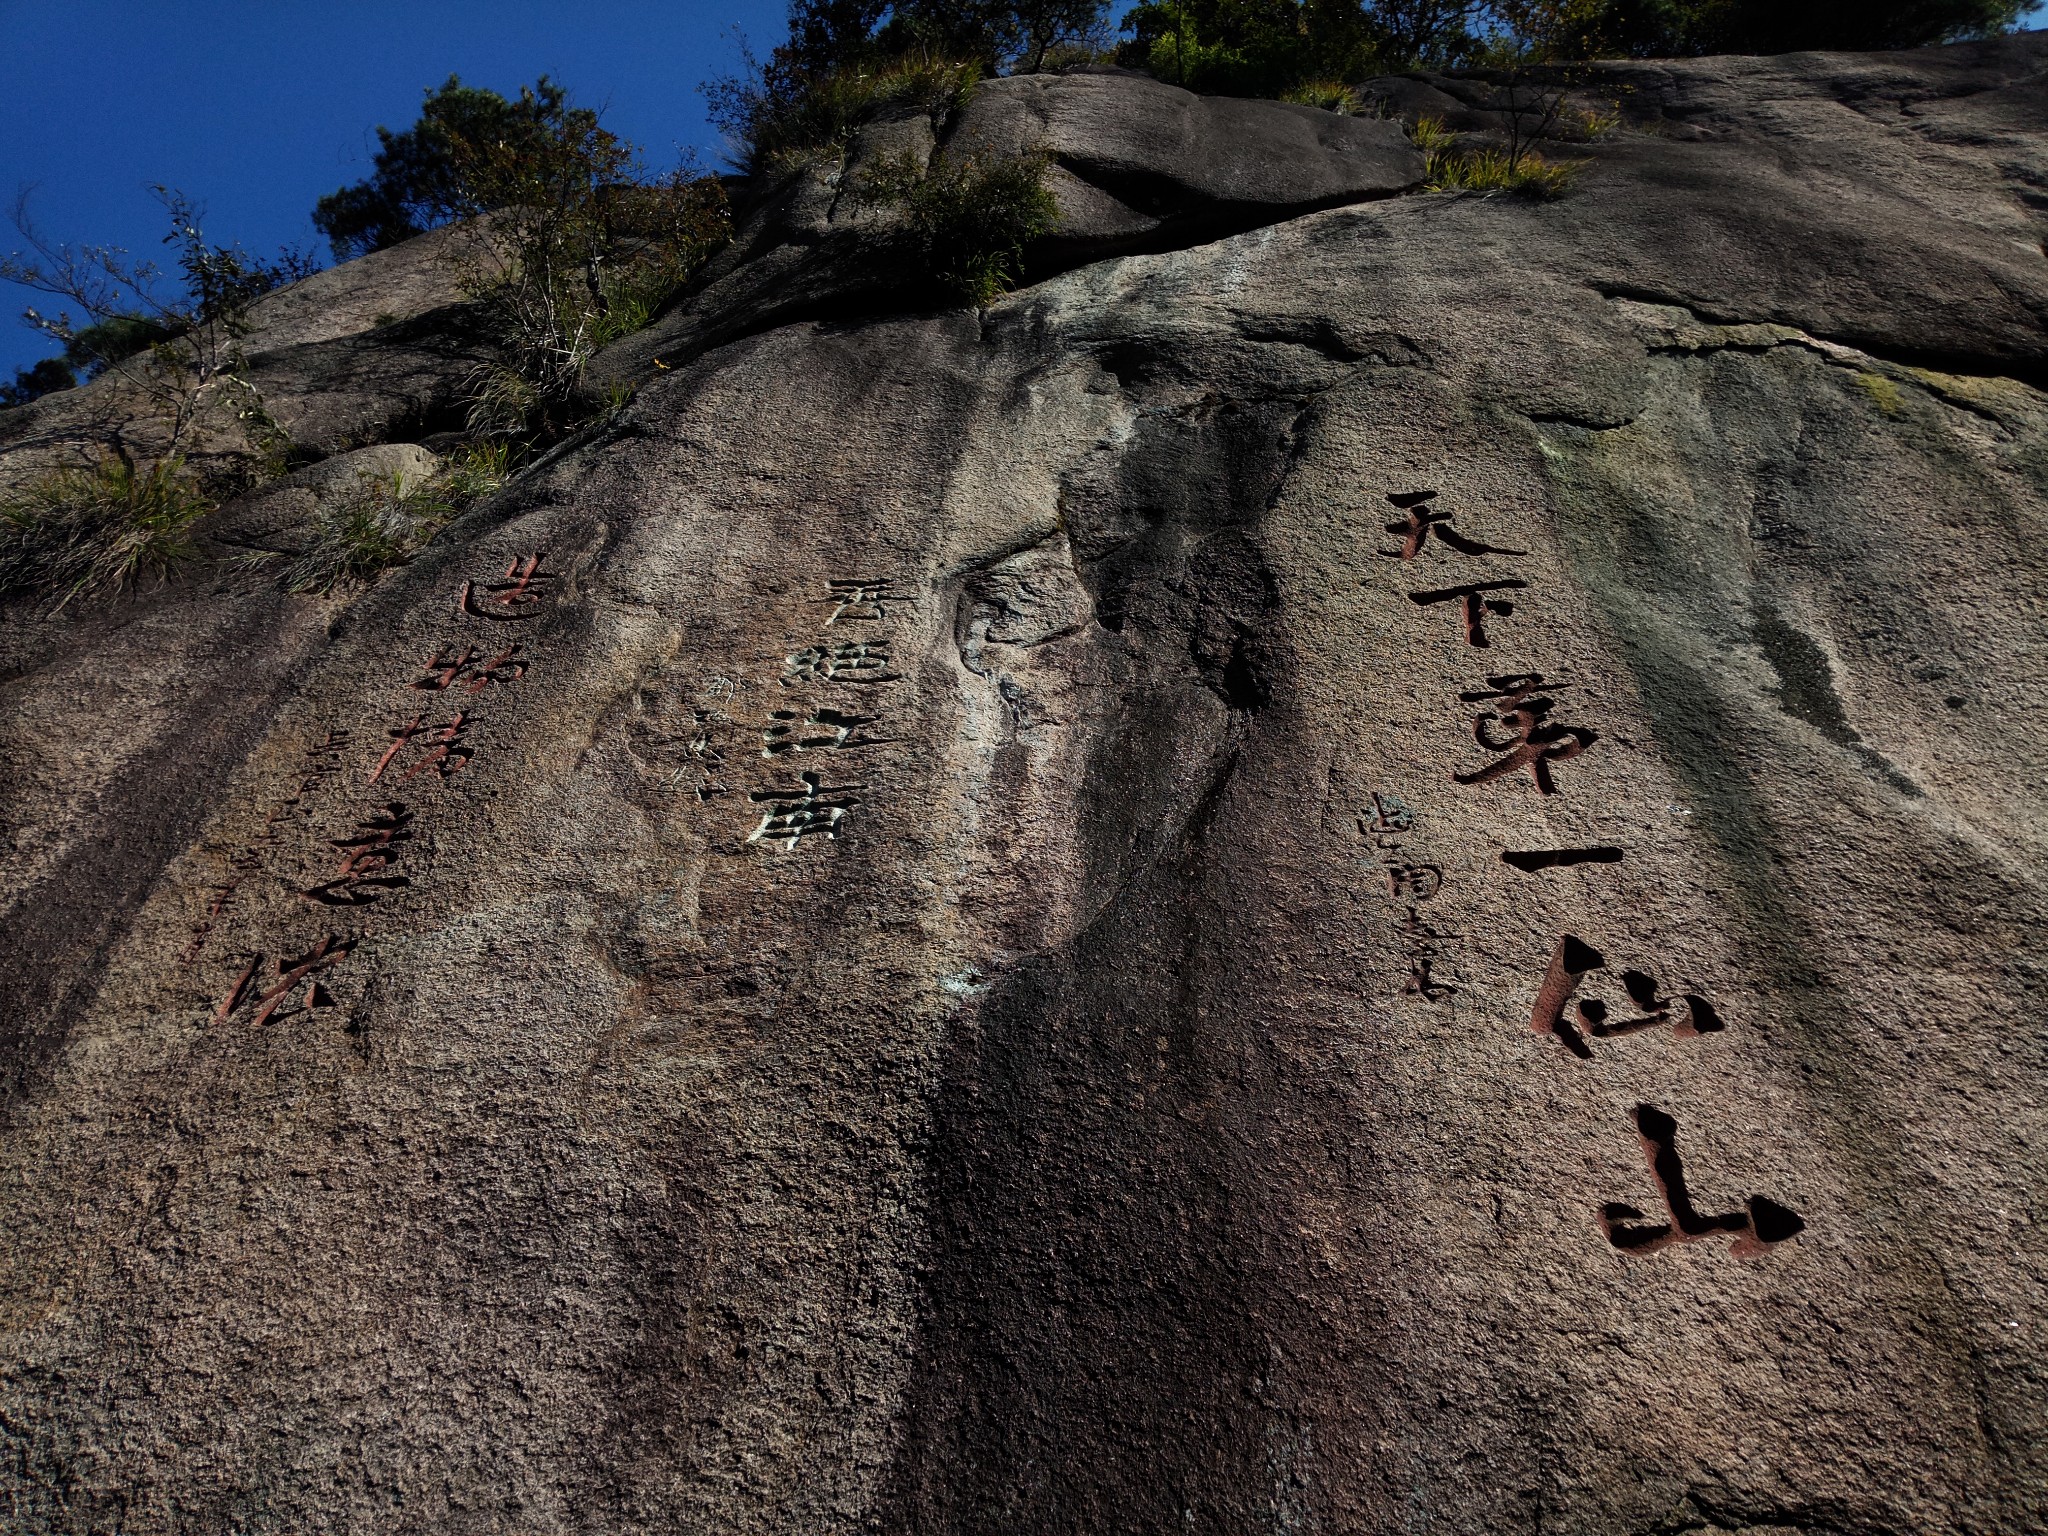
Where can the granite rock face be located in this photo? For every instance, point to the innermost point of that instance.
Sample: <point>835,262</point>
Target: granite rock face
<point>1379,874</point>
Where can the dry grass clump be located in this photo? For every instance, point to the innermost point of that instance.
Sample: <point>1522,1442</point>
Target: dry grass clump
<point>96,532</point>
<point>385,520</point>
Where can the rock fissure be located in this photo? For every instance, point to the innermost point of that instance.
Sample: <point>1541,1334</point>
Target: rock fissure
<point>1967,366</point>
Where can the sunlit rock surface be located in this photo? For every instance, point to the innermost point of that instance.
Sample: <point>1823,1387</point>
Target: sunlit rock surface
<point>1379,875</point>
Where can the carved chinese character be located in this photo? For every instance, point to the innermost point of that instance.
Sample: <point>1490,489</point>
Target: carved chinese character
<point>1422,981</point>
<point>1416,882</point>
<point>519,596</point>
<point>1423,944</point>
<point>320,764</point>
<point>1531,741</point>
<point>1763,1225</point>
<point>1390,813</point>
<point>445,669</point>
<point>447,755</point>
<point>269,1003</point>
<point>791,815</point>
<point>1474,605</point>
<point>1530,861</point>
<point>1570,963</point>
<point>1420,520</point>
<point>366,857</point>
<point>820,730</point>
<point>848,661</point>
<point>1653,1012</point>
<point>861,599</point>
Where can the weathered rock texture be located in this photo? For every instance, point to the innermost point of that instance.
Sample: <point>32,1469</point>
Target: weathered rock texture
<point>916,939</point>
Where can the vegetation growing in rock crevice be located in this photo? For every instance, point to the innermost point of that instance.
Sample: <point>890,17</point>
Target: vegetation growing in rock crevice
<point>845,59</point>
<point>1454,167</point>
<point>567,241</point>
<point>966,222</point>
<point>776,130</point>
<point>99,531</point>
<point>380,522</point>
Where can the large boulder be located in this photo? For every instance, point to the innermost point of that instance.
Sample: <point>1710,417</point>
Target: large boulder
<point>1382,873</point>
<point>1133,164</point>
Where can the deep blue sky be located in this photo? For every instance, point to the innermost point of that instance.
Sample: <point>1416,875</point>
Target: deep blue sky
<point>256,107</point>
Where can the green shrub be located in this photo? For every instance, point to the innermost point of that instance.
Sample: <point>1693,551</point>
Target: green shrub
<point>416,184</point>
<point>1260,47</point>
<point>578,251</point>
<point>842,60</point>
<point>1212,68</point>
<point>95,532</point>
<point>778,133</point>
<point>966,222</point>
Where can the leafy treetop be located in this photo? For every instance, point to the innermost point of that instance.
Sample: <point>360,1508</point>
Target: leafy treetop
<point>419,181</point>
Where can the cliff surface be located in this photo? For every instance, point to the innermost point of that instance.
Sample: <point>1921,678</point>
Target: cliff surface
<point>1371,861</point>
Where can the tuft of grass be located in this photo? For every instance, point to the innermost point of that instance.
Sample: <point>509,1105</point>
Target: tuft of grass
<point>625,313</point>
<point>1433,136</point>
<point>96,532</point>
<point>1330,95</point>
<point>503,403</point>
<point>1584,125</point>
<point>1452,169</point>
<point>474,473</point>
<point>967,222</point>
